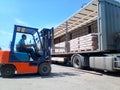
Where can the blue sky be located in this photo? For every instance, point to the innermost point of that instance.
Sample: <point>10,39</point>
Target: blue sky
<point>34,13</point>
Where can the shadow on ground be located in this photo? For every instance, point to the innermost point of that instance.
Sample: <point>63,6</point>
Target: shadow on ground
<point>52,75</point>
<point>114,74</point>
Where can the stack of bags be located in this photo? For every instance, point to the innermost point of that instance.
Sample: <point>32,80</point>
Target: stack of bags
<point>59,48</point>
<point>62,47</point>
<point>74,45</point>
<point>88,42</point>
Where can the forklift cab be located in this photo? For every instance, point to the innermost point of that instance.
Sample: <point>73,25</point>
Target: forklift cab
<point>41,41</point>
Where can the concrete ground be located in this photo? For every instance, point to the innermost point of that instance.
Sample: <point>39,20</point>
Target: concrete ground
<point>62,78</point>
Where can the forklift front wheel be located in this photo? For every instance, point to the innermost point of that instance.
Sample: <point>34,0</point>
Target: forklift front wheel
<point>44,69</point>
<point>7,71</point>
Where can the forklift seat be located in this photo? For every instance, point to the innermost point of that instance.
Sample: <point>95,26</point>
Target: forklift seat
<point>22,56</point>
<point>19,57</point>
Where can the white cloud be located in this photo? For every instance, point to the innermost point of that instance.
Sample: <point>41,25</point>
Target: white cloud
<point>21,22</point>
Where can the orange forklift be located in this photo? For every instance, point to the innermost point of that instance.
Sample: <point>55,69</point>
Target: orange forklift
<point>13,61</point>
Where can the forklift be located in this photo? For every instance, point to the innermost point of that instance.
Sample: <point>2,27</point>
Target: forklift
<point>14,62</point>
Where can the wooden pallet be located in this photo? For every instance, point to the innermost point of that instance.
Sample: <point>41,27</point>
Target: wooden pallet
<point>81,50</point>
<point>74,51</point>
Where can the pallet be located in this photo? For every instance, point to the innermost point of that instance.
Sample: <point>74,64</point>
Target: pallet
<point>81,50</point>
<point>74,51</point>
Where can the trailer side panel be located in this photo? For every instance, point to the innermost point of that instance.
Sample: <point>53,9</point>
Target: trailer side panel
<point>109,25</point>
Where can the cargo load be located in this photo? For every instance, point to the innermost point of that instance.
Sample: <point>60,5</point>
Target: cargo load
<point>93,31</point>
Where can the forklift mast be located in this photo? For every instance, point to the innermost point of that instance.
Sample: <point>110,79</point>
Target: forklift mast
<point>47,38</point>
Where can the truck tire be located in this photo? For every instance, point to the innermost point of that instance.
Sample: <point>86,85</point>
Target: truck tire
<point>7,71</point>
<point>77,61</point>
<point>44,69</point>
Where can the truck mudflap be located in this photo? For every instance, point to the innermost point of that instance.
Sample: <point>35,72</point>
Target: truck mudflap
<point>106,63</point>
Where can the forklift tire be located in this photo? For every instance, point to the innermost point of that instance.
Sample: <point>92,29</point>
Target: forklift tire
<point>7,71</point>
<point>44,69</point>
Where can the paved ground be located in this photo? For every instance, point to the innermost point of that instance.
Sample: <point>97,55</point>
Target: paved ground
<point>62,78</point>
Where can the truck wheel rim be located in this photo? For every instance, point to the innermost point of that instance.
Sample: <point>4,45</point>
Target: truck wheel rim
<point>76,62</point>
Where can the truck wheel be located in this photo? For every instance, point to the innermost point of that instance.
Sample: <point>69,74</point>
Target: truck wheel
<point>77,61</point>
<point>44,69</point>
<point>7,71</point>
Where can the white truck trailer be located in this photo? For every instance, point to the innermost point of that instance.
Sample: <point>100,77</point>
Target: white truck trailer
<point>90,37</point>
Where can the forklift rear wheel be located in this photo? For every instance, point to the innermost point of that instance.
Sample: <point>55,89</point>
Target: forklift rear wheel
<point>7,71</point>
<point>44,69</point>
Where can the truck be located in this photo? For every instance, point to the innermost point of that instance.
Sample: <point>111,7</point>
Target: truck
<point>90,38</point>
<point>14,61</point>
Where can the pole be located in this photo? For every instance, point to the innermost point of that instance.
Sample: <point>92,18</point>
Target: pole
<point>66,48</point>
